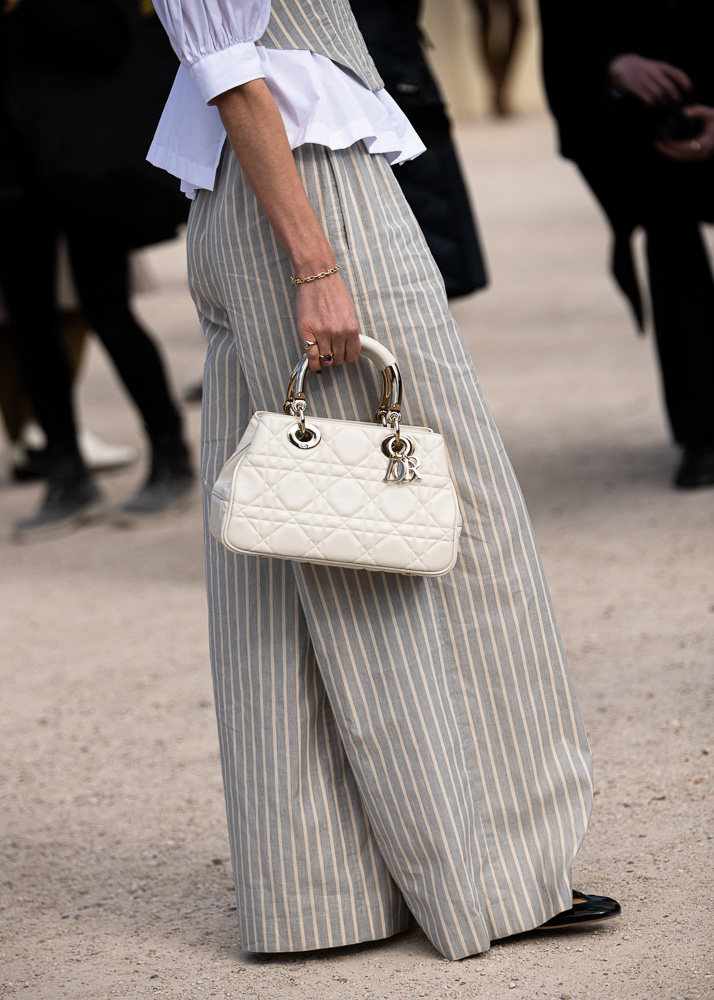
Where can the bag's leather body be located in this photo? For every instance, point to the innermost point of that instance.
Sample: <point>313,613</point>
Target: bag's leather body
<point>331,504</point>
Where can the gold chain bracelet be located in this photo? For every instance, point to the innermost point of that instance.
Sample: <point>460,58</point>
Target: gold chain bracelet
<point>314,277</point>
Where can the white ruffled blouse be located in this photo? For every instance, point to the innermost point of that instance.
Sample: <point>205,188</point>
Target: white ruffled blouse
<point>320,101</point>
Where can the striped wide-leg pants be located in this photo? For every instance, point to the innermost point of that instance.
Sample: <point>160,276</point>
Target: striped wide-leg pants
<point>390,745</point>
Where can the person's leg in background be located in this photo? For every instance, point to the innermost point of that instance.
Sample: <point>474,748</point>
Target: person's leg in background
<point>27,439</point>
<point>667,200</point>
<point>682,293</point>
<point>100,266</point>
<point>498,34</point>
<point>27,280</point>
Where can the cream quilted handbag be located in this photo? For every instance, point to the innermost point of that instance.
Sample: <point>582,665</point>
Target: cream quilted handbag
<point>340,493</point>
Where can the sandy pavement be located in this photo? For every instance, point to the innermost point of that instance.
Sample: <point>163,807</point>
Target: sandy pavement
<point>115,870</point>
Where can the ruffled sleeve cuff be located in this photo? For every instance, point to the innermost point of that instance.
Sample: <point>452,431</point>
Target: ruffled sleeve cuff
<point>231,67</point>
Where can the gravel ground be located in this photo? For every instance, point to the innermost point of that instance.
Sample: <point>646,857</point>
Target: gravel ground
<point>115,870</point>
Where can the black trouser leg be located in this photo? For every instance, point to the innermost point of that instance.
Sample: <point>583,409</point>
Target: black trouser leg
<point>101,272</point>
<point>682,292</point>
<point>27,278</point>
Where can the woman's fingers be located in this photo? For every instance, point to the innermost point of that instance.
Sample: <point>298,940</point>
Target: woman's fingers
<point>680,78</point>
<point>664,84</point>
<point>652,81</point>
<point>701,146</point>
<point>337,350</point>
<point>321,354</point>
<point>352,344</point>
<point>312,350</point>
<point>327,321</point>
<point>672,82</point>
<point>676,150</point>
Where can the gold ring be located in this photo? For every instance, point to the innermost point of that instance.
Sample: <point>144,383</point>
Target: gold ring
<point>325,359</point>
<point>696,146</point>
<point>307,344</point>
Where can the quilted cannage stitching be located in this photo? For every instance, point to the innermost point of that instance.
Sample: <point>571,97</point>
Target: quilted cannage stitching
<point>329,465</point>
<point>265,522</point>
<point>272,510</point>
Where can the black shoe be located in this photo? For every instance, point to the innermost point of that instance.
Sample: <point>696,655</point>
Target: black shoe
<point>72,500</point>
<point>696,467</point>
<point>168,490</point>
<point>585,910</point>
<point>29,464</point>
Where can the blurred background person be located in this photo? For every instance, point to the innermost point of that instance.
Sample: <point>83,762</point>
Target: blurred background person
<point>631,85</point>
<point>81,88</point>
<point>498,35</point>
<point>432,183</point>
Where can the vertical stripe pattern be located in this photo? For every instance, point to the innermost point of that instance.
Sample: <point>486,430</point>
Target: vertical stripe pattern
<point>389,744</point>
<point>327,27</point>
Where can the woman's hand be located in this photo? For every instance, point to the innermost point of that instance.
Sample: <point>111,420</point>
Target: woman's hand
<point>701,147</point>
<point>326,314</point>
<point>651,81</point>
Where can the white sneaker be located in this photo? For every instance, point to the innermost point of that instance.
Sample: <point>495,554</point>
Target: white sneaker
<point>98,455</point>
<point>101,456</point>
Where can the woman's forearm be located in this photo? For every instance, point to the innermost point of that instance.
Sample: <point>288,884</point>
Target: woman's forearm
<point>256,132</point>
<point>325,312</point>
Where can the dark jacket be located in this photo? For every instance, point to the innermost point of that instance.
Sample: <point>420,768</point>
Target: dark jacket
<point>432,184</point>
<point>581,39</point>
<point>82,86</point>
<point>611,137</point>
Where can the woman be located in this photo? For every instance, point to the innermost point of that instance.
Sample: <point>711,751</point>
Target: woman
<point>390,745</point>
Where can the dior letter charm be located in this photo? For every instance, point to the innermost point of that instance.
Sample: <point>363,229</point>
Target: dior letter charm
<point>402,470</point>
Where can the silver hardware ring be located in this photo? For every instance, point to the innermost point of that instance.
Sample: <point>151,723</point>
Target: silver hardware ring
<point>297,409</point>
<point>393,419</point>
<point>304,435</point>
<point>389,449</point>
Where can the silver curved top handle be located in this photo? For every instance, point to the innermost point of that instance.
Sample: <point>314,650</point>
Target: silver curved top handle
<point>390,403</point>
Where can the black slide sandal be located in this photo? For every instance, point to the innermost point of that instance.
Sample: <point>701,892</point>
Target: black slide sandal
<point>585,910</point>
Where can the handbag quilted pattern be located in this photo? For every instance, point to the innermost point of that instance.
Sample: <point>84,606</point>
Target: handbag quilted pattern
<point>329,504</point>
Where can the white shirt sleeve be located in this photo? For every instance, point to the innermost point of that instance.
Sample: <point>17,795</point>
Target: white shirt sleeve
<point>215,40</point>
